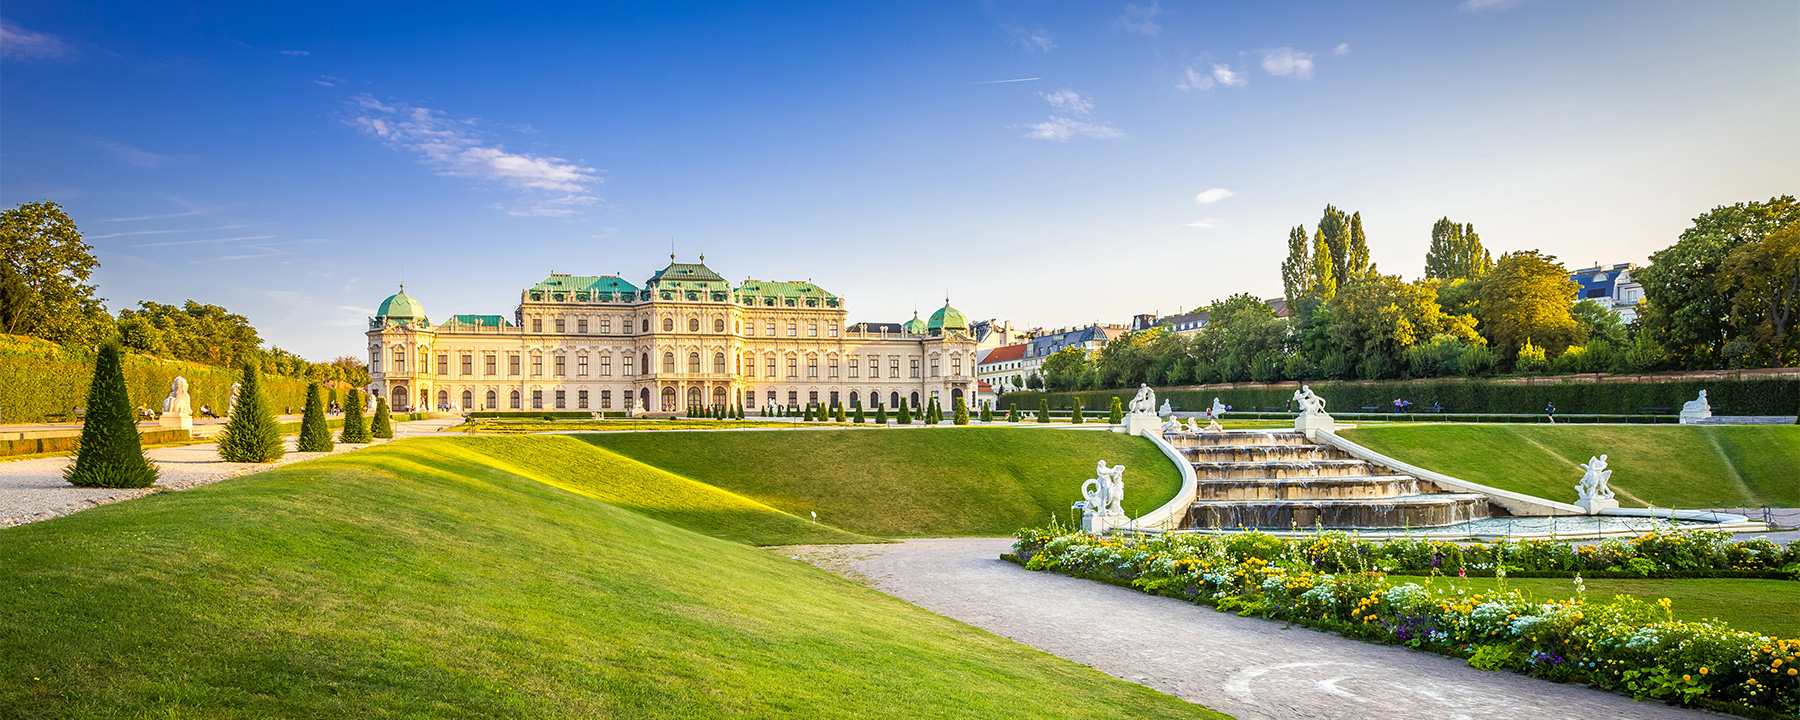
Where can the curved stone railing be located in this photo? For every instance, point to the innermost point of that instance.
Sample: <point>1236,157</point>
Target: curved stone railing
<point>1170,515</point>
<point>1514,502</point>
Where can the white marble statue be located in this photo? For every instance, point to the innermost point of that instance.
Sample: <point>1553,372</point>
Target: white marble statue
<point>1144,402</point>
<point>1308,401</point>
<point>1593,484</point>
<point>1105,491</point>
<point>1193,425</point>
<point>1217,410</point>
<point>177,402</point>
<point>1166,410</point>
<point>231,402</point>
<point>1214,426</point>
<point>1171,425</point>
<point>1696,410</point>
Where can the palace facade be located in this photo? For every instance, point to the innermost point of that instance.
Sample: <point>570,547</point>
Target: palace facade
<point>687,338</point>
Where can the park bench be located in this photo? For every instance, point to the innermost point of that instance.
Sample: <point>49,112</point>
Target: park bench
<point>1371,409</point>
<point>1655,410</point>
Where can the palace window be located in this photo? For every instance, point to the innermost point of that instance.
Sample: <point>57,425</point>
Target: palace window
<point>934,366</point>
<point>771,328</point>
<point>793,398</point>
<point>512,366</point>
<point>956,366</point>
<point>719,363</point>
<point>853,364</point>
<point>668,324</point>
<point>771,397</point>
<point>491,399</point>
<point>668,362</point>
<point>812,367</point>
<point>399,360</point>
<point>833,328</point>
<point>605,366</point>
<point>749,328</point>
<point>832,369</point>
<point>487,362</point>
<point>694,363</point>
<point>913,363</point>
<point>812,397</point>
<point>537,365</point>
<point>605,327</point>
<point>560,328</point>
<point>771,366</point>
<point>561,366</point>
<point>443,364</point>
<point>537,399</point>
<point>719,326</point>
<point>605,399</point>
<point>468,398</point>
<point>581,366</point>
<point>812,330</point>
<point>468,364</point>
<point>893,366</point>
<point>581,326</point>
<point>514,400</point>
<point>644,360</point>
<point>374,360</point>
<point>834,398</point>
<point>793,330</point>
<point>580,399</point>
<point>693,324</point>
<point>627,368</point>
<point>646,325</point>
<point>793,366</point>
<point>537,324</point>
<point>561,399</point>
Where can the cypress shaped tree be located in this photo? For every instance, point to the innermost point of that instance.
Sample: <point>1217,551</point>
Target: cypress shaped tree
<point>905,414</point>
<point>1118,412</point>
<point>987,412</point>
<point>960,416</point>
<point>252,434</point>
<point>1076,416</point>
<point>315,435</point>
<point>880,414</point>
<point>110,454</point>
<point>1044,410</point>
<point>859,415</point>
<point>355,430</point>
<point>382,426</point>
<point>809,416</point>
<point>1012,412</point>
<point>840,413</point>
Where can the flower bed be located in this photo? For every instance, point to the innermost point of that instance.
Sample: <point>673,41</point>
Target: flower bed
<point>1337,582</point>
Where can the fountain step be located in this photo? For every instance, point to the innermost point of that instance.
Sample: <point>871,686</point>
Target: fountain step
<point>1352,487</point>
<point>1280,469</point>
<point>1262,453</point>
<point>1235,437</point>
<point>1405,511</point>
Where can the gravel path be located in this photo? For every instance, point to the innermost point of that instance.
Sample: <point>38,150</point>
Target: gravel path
<point>1248,667</point>
<point>33,490</point>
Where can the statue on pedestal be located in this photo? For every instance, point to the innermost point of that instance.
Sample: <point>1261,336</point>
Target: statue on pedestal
<point>1105,491</point>
<point>1696,410</point>
<point>177,409</point>
<point>1308,401</point>
<point>1594,494</point>
<point>231,402</point>
<point>1218,409</point>
<point>1143,402</point>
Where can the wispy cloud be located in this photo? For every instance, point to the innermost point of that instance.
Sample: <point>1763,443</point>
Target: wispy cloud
<point>17,43</point>
<point>184,213</point>
<point>1207,223</point>
<point>160,232</point>
<point>1480,5</point>
<point>1287,61</point>
<point>1341,49</point>
<point>1069,101</point>
<point>1226,76</point>
<point>1061,129</point>
<point>295,53</point>
<point>1141,18</point>
<point>997,82</point>
<point>128,154</point>
<point>549,186</point>
<point>207,241</point>
<point>1194,78</point>
<point>1208,197</point>
<point>1033,39</point>
<point>329,81</point>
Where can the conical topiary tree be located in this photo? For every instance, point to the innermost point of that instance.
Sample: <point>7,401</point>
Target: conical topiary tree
<point>808,416</point>
<point>110,454</point>
<point>315,435</point>
<point>382,426</point>
<point>880,414</point>
<point>1118,412</point>
<point>252,435</point>
<point>840,413</point>
<point>905,414</point>
<point>987,412</point>
<point>960,416</point>
<point>1044,410</point>
<point>858,416</point>
<point>1076,416</point>
<point>1012,412</point>
<point>355,431</point>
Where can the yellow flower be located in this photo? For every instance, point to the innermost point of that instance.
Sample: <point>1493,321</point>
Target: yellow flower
<point>1703,671</point>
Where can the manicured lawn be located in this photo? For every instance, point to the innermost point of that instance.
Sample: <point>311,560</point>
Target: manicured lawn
<point>1771,607</point>
<point>1667,466</point>
<point>420,579</point>
<point>911,483</point>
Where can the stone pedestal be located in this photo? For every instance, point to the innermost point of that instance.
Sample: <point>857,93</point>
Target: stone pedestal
<point>1309,425</point>
<point>176,421</point>
<point>1595,506</point>
<point>1101,524</point>
<point>1689,417</point>
<point>1136,423</point>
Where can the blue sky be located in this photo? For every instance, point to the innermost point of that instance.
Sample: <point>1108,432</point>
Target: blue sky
<point>1048,163</point>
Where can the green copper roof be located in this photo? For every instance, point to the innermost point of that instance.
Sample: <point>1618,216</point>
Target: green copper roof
<point>401,306</point>
<point>684,273</point>
<point>597,283</point>
<point>948,319</point>
<point>479,320</point>
<point>795,293</point>
<point>915,325</point>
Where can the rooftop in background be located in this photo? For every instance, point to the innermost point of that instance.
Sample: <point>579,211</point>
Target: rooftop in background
<point>1004,353</point>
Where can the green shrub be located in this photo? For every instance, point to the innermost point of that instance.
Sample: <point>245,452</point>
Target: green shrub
<point>1044,410</point>
<point>252,435</point>
<point>987,412</point>
<point>1117,414</point>
<point>315,434</point>
<point>355,430</point>
<point>1076,417</point>
<point>1012,413</point>
<point>960,415</point>
<point>905,413</point>
<point>110,454</point>
<point>381,426</point>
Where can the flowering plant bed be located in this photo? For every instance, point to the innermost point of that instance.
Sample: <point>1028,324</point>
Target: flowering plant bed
<point>1337,582</point>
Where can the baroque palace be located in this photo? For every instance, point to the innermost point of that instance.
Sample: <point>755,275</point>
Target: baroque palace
<point>686,339</point>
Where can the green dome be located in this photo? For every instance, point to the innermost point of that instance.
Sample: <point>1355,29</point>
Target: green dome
<point>948,319</point>
<point>401,306</point>
<point>915,325</point>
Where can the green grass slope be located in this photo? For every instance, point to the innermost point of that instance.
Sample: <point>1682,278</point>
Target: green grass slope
<point>416,579</point>
<point>910,483</point>
<point>1667,466</point>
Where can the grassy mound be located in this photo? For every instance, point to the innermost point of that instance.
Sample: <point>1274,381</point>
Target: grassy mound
<point>910,483</point>
<point>1667,466</point>
<point>419,579</point>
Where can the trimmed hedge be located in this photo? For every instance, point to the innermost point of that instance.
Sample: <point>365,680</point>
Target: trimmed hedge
<point>1484,397</point>
<point>34,446</point>
<point>40,380</point>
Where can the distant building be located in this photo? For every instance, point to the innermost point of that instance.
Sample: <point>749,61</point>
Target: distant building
<point>990,334</point>
<point>997,367</point>
<point>1611,286</point>
<point>1044,344</point>
<point>1190,323</point>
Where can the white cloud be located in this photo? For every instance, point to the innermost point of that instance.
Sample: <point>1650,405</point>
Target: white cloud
<point>1480,5</point>
<point>1214,195</point>
<point>553,186</point>
<point>1060,129</point>
<point>1032,39</point>
<point>160,232</point>
<point>208,241</point>
<point>17,43</point>
<point>184,213</point>
<point>1193,79</point>
<point>128,154</point>
<point>295,53</point>
<point>1069,101</point>
<point>1225,75</point>
<point>1341,49</point>
<point>1207,223</point>
<point>998,82</point>
<point>1141,18</point>
<point>1287,61</point>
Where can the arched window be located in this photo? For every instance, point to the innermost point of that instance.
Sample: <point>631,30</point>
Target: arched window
<point>719,363</point>
<point>852,398</point>
<point>668,362</point>
<point>668,399</point>
<point>693,398</point>
<point>468,399</point>
<point>718,326</point>
<point>693,324</point>
<point>747,368</point>
<point>718,397</point>
<point>644,398</point>
<point>443,402</point>
<point>491,399</point>
<point>514,400</point>
<point>694,363</point>
<point>668,324</point>
<point>956,394</point>
<point>894,399</point>
<point>646,329</point>
<point>646,365</point>
<point>915,399</point>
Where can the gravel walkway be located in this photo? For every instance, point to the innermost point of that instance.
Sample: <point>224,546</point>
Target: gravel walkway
<point>33,490</point>
<point>1248,667</point>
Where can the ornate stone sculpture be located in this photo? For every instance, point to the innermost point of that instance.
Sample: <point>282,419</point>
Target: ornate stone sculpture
<point>1595,496</point>
<point>1214,426</point>
<point>231,402</point>
<point>1312,416</point>
<point>1171,425</point>
<point>1144,401</point>
<point>1193,425</point>
<point>1140,415</point>
<point>1308,401</point>
<point>1166,410</point>
<point>1218,409</point>
<point>1696,410</point>
<point>177,410</point>
<point>1105,491</point>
